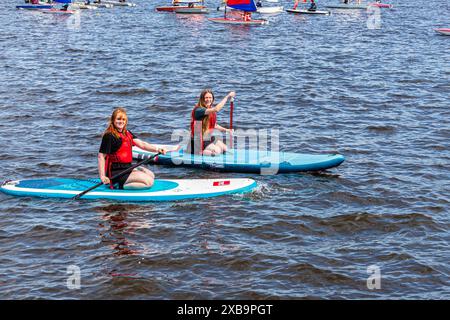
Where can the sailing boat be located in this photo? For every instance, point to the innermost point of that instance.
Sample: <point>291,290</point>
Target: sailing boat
<point>247,7</point>
<point>185,6</point>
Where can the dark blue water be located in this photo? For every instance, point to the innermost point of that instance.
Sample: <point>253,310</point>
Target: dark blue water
<point>380,97</point>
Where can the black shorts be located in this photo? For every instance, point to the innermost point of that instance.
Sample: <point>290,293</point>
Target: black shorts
<point>119,182</point>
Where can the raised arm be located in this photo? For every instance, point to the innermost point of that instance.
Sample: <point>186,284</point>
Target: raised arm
<point>221,103</point>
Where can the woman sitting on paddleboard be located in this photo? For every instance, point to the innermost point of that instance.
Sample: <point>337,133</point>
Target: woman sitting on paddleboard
<point>204,122</point>
<point>115,154</point>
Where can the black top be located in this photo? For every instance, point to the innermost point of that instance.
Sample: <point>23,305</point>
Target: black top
<point>199,113</point>
<point>111,144</point>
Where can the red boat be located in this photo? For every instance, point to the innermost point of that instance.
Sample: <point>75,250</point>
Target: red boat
<point>247,7</point>
<point>443,31</point>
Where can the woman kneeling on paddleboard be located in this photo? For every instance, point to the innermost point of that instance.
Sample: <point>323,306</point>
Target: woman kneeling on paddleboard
<point>204,122</point>
<point>115,155</point>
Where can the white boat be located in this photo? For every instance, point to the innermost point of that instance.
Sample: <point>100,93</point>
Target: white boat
<point>119,3</point>
<point>80,5</point>
<point>101,4</point>
<point>305,11</point>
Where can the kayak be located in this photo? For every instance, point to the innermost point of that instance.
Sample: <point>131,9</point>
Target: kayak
<point>297,11</point>
<point>35,6</point>
<point>162,190</point>
<point>263,10</point>
<point>119,4</point>
<point>246,161</point>
<point>347,6</point>
<point>183,9</point>
<point>238,21</point>
<point>443,31</point>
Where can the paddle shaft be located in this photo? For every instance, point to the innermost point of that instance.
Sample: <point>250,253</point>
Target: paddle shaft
<point>78,196</point>
<point>231,121</point>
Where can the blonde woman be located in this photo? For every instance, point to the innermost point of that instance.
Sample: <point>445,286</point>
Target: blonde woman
<point>115,155</point>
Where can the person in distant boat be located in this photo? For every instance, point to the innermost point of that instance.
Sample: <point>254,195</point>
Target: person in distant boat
<point>259,4</point>
<point>346,1</point>
<point>246,16</point>
<point>34,1</point>
<point>115,155</point>
<point>65,7</point>
<point>204,122</point>
<point>313,6</point>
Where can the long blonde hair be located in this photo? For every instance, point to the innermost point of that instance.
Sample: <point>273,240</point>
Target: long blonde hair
<point>201,104</point>
<point>111,128</point>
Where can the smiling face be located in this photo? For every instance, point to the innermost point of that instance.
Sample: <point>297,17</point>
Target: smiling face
<point>120,121</point>
<point>208,99</point>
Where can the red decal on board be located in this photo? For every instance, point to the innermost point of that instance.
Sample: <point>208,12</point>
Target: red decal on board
<point>221,183</point>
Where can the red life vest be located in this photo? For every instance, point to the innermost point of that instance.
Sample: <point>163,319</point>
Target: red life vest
<point>123,155</point>
<point>194,123</point>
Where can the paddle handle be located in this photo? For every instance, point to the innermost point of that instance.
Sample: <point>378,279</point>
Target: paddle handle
<point>78,196</point>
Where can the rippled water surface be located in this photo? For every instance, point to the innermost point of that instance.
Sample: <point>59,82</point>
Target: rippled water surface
<point>380,97</point>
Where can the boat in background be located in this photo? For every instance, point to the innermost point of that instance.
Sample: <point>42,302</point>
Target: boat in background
<point>185,6</point>
<point>311,10</point>
<point>358,5</point>
<point>259,8</point>
<point>119,3</point>
<point>244,18</point>
<point>35,5</point>
<point>443,31</point>
<point>305,11</point>
<point>58,11</point>
<point>381,5</point>
<point>82,6</point>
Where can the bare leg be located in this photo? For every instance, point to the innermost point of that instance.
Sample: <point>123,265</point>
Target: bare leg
<point>222,146</point>
<point>139,179</point>
<point>211,150</point>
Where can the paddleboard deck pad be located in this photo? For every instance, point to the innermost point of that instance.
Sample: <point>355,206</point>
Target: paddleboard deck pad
<point>245,161</point>
<point>162,190</point>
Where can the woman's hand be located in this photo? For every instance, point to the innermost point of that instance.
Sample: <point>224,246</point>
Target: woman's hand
<point>232,94</point>
<point>162,151</point>
<point>105,179</point>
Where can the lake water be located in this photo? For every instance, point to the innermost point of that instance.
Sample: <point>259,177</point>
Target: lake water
<point>376,93</point>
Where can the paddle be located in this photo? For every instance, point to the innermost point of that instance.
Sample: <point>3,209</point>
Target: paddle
<point>231,121</point>
<point>78,196</point>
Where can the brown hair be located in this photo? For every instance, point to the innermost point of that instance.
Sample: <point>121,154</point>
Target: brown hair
<point>111,128</point>
<point>201,104</point>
